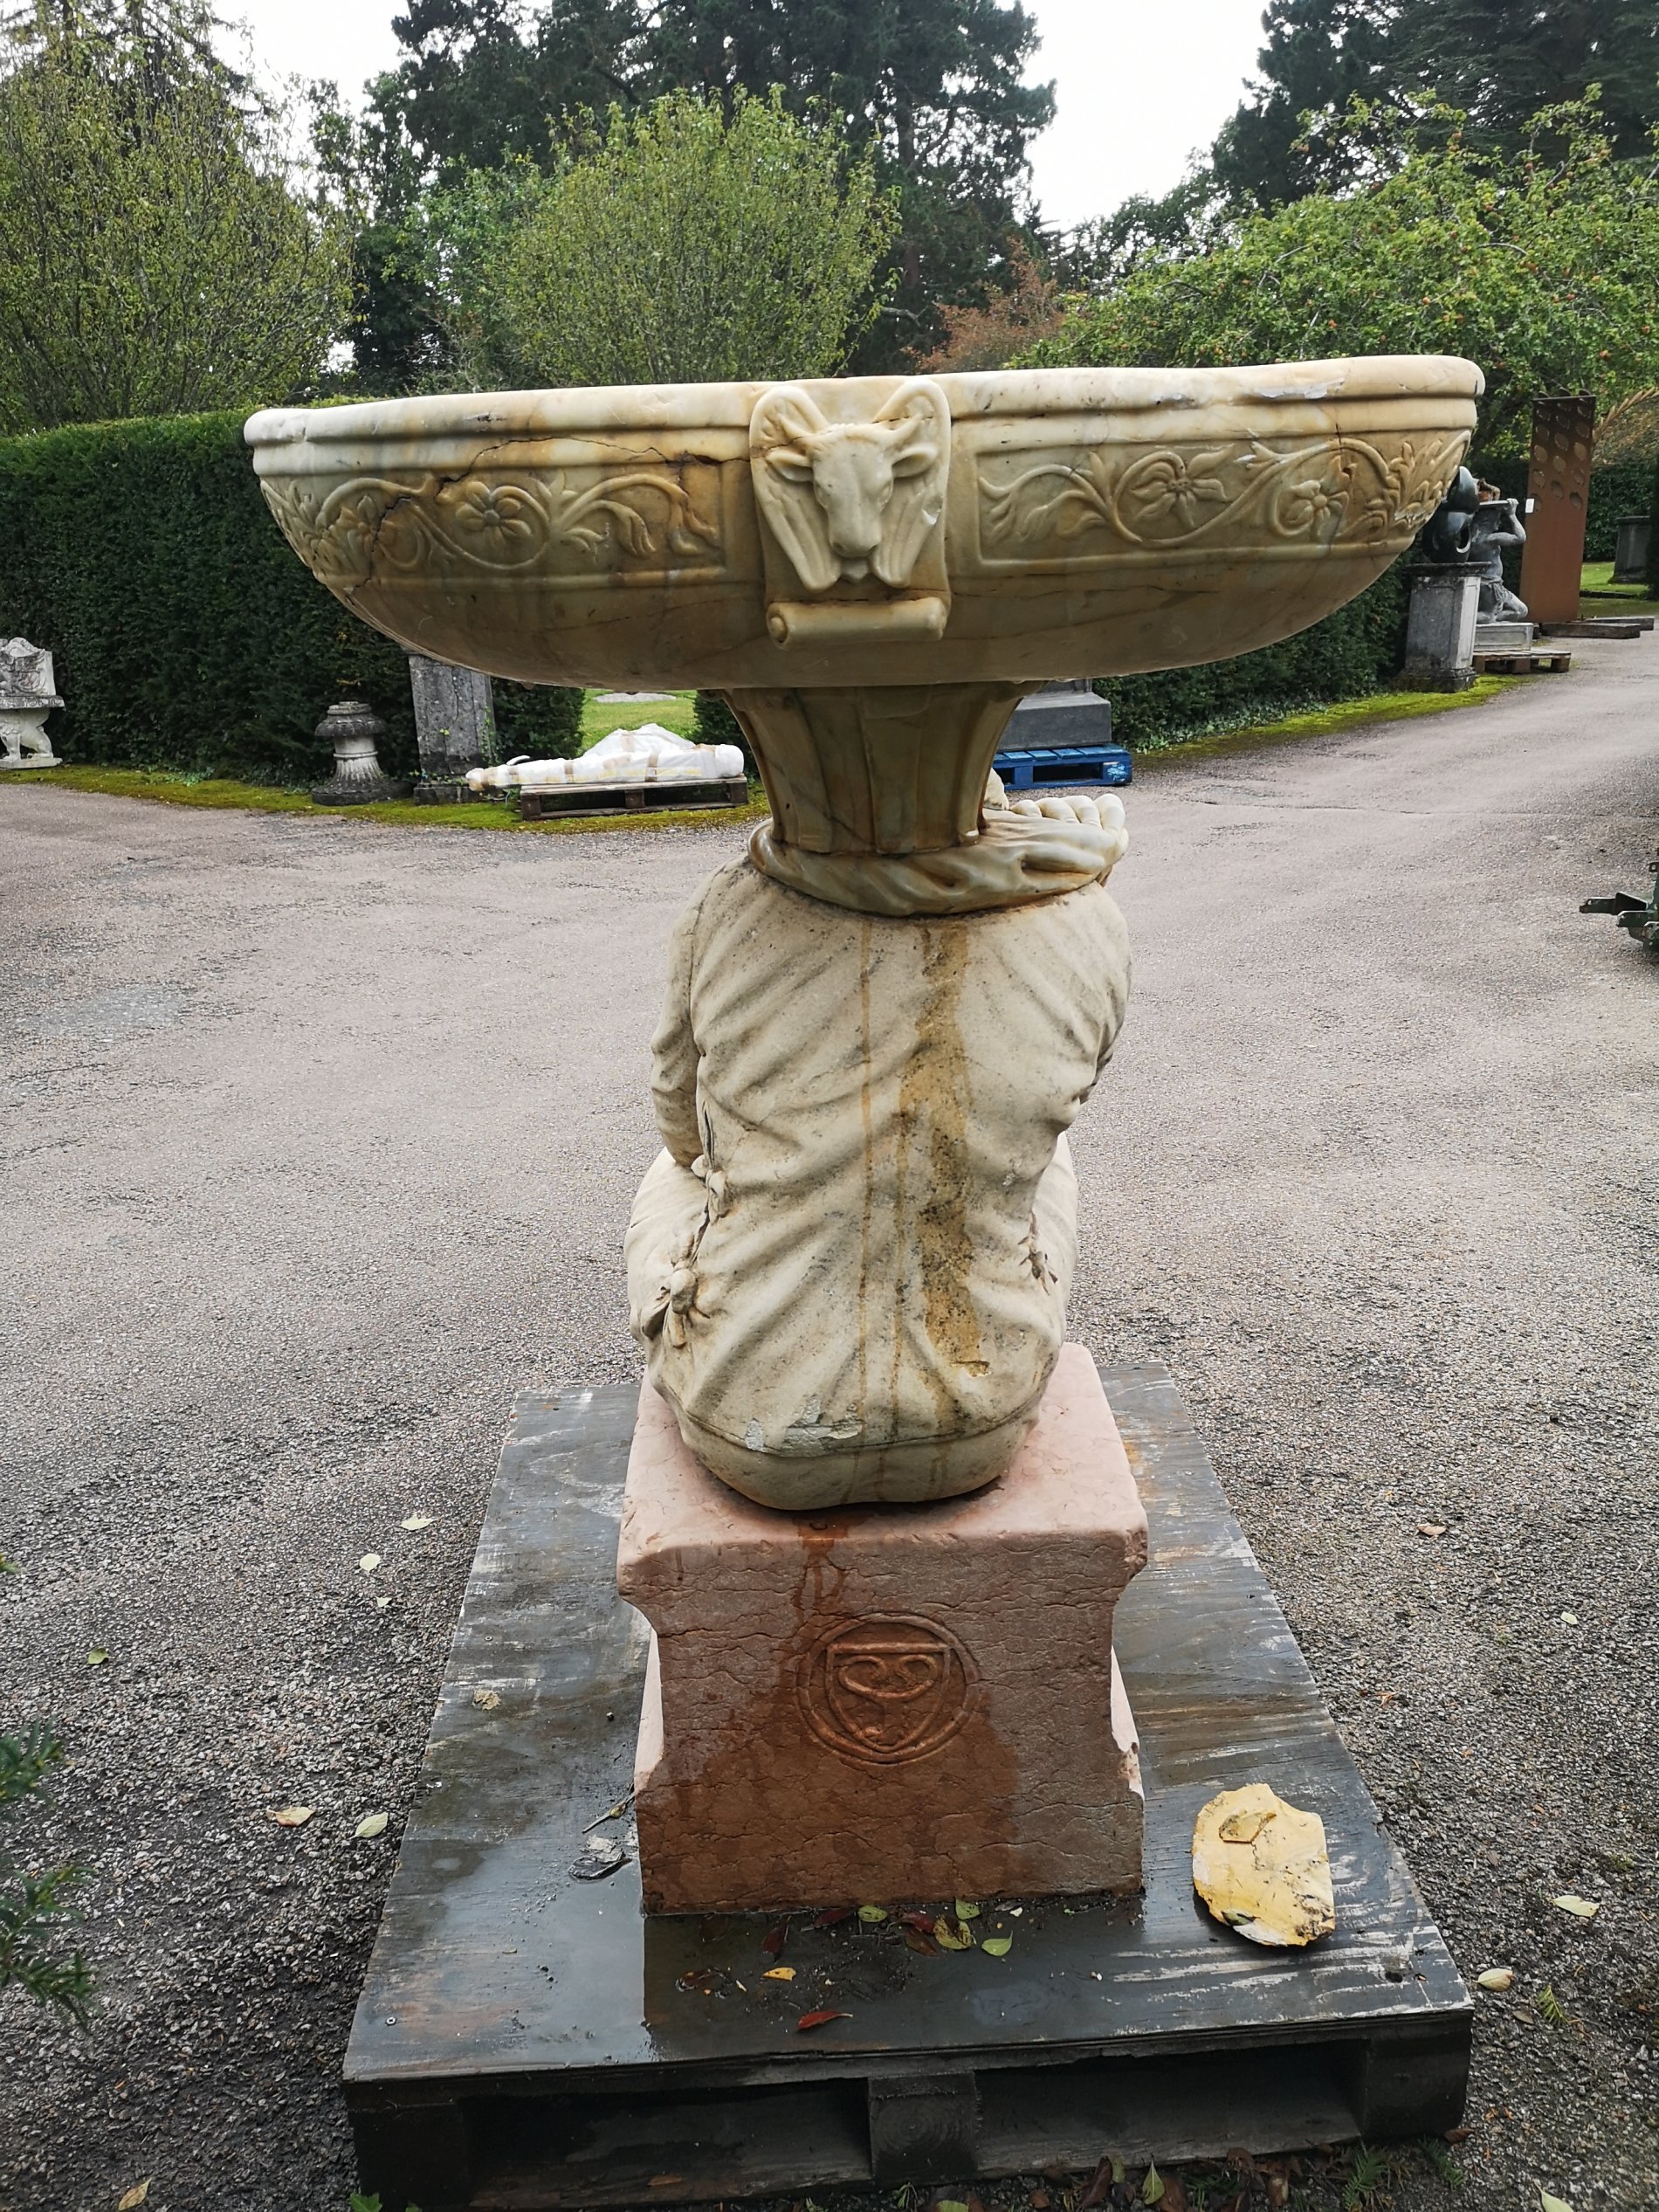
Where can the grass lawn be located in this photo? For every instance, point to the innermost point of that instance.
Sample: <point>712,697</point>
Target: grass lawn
<point>675,710</point>
<point>1596,582</point>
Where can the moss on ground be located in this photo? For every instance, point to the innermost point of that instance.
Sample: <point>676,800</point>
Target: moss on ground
<point>262,798</point>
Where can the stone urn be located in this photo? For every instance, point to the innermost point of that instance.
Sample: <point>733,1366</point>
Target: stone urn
<point>861,1430</point>
<point>355,730</point>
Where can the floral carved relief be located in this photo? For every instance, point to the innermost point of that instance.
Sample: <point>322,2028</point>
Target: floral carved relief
<point>1338,491</point>
<point>549,520</point>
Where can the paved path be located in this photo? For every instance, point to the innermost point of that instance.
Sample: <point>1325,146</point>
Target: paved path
<point>320,1139</point>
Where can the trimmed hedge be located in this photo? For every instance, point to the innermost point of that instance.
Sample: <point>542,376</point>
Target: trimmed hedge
<point>187,636</point>
<point>1351,653</point>
<point>1625,490</point>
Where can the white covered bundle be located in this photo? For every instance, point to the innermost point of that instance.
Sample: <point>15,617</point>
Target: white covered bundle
<point>647,754</point>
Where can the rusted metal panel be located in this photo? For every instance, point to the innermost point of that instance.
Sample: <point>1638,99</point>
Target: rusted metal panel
<point>526,2038</point>
<point>1557,497</point>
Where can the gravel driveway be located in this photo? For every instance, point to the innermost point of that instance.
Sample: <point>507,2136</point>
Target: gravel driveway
<point>319,1142</point>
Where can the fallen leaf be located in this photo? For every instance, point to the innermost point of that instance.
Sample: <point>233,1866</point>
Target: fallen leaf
<point>997,1946</point>
<point>1273,1884</point>
<point>486,1700</point>
<point>381,1603</point>
<point>1431,1528</point>
<point>818,2019</point>
<point>1581,1908</point>
<point>952,1938</point>
<point>1571,1619</point>
<point>1497,1978</point>
<point>923,1922</point>
<point>416,1520</point>
<point>1548,2203</point>
<point>134,2197</point>
<point>292,1815</point>
<point>1037,2198</point>
<point>603,1856</point>
<point>923,1946</point>
<point>949,2204</point>
<point>611,1812</point>
<point>871,1913</point>
<point>834,1917</point>
<point>773,1941</point>
<point>97,1658</point>
<point>1109,2172</point>
<point>372,1825</point>
<point>779,1974</point>
<point>1151,2189</point>
<point>965,1911</point>
<point>1458,2134</point>
<point>369,1561</point>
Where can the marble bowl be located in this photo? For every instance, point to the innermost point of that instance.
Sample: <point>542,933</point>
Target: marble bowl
<point>1007,528</point>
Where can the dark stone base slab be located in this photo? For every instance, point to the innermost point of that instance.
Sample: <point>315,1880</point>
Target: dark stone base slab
<point>528,2040</point>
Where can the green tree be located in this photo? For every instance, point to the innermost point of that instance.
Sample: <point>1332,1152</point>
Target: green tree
<point>934,89</point>
<point>1497,61</point>
<point>478,86</point>
<point>682,245</point>
<point>154,256</point>
<point>1544,271</point>
<point>34,1908</point>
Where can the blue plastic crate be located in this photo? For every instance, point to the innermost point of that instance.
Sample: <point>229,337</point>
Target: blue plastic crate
<point>1028,767</point>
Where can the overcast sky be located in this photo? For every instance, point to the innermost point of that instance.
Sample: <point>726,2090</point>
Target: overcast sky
<point>1140,83</point>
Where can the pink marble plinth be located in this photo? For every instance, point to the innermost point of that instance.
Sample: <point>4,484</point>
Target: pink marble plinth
<point>887,1704</point>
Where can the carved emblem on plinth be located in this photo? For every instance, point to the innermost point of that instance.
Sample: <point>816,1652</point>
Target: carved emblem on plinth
<point>887,1688</point>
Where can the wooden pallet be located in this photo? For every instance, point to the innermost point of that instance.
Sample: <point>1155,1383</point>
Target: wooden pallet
<point>631,798</point>
<point>529,2041</point>
<point>1599,626</point>
<point>1533,664</point>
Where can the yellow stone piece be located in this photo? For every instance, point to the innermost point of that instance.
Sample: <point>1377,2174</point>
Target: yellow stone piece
<point>1261,1866</point>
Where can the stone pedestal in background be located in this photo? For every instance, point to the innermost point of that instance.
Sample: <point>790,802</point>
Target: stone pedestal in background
<point>887,1705</point>
<point>1630,548</point>
<point>1068,714</point>
<point>454,721</point>
<point>1440,628</point>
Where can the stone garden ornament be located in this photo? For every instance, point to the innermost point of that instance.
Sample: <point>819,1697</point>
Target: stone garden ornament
<point>848,1268</point>
<point>27,696</point>
<point>848,1265</point>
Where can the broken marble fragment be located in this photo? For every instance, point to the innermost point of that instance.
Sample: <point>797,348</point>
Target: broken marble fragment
<point>1259,1865</point>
